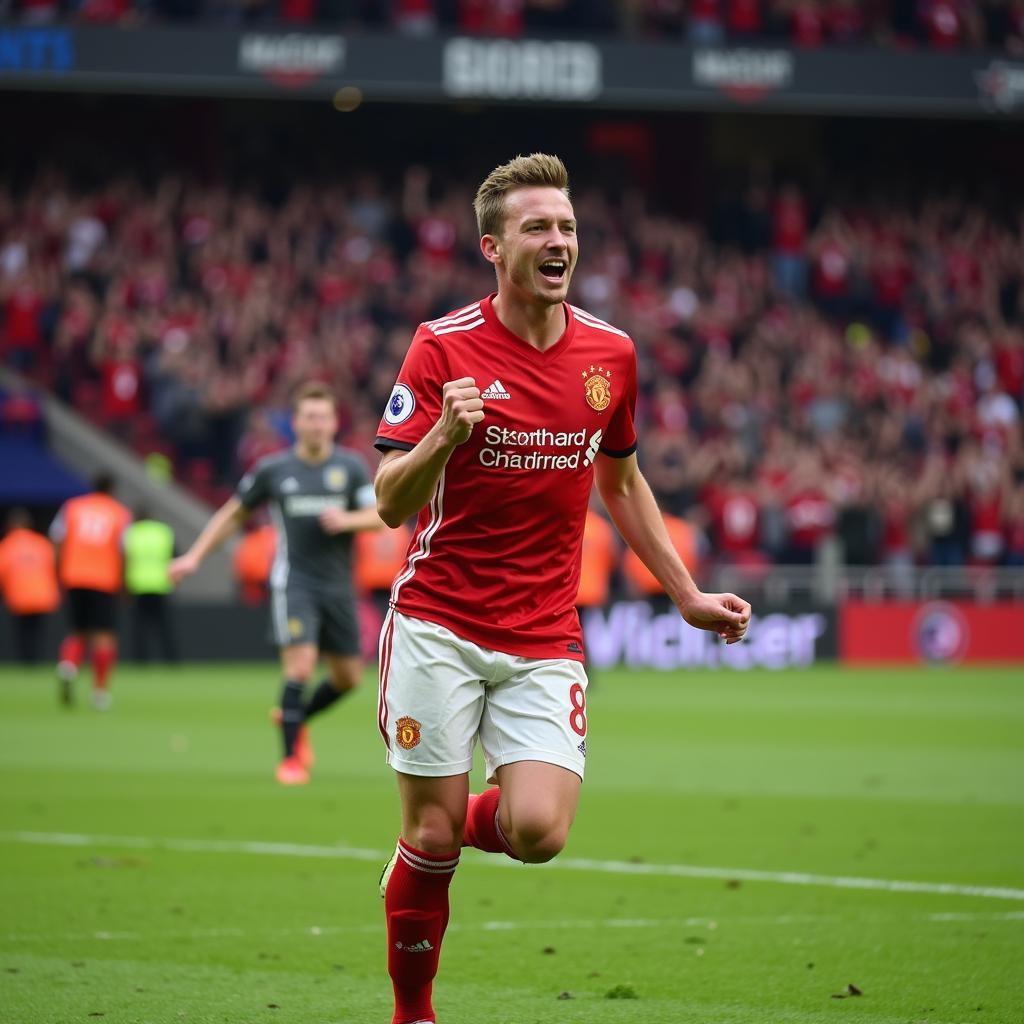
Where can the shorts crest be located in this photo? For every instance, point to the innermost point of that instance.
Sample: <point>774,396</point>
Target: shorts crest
<point>407,732</point>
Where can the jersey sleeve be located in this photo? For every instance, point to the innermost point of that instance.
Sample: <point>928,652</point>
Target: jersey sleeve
<point>620,438</point>
<point>415,402</point>
<point>360,492</point>
<point>254,488</point>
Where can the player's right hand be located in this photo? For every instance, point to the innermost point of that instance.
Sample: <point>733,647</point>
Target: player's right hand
<point>462,408</point>
<point>182,567</point>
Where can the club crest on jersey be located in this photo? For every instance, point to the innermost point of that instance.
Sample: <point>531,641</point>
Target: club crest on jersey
<point>597,388</point>
<point>407,732</point>
<point>335,478</point>
<point>400,405</point>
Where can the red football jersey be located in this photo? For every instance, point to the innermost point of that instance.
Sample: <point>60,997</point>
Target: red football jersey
<point>495,556</point>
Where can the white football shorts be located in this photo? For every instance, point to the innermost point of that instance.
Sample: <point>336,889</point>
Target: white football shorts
<point>439,693</point>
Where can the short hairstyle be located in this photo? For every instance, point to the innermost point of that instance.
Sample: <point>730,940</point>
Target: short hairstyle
<point>312,389</point>
<point>537,169</point>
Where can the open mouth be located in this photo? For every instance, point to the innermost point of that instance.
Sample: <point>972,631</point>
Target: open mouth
<point>554,269</point>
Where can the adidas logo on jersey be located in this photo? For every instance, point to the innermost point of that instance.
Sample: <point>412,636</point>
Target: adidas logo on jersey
<point>423,946</point>
<point>496,390</point>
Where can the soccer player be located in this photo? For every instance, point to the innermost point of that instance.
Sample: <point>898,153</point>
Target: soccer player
<point>504,414</point>
<point>87,531</point>
<point>319,495</point>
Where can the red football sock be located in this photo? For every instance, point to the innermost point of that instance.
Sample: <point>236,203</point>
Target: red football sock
<point>416,905</point>
<point>482,828</point>
<point>72,651</point>
<point>103,659</point>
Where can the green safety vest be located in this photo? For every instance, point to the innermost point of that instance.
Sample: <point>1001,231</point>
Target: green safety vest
<point>148,550</point>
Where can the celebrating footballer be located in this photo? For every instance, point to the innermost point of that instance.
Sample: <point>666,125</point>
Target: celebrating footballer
<point>504,415</point>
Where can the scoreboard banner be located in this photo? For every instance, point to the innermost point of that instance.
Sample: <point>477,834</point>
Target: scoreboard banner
<point>391,67</point>
<point>934,632</point>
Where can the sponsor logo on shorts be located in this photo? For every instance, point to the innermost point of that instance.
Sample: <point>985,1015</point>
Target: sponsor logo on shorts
<point>596,387</point>
<point>582,748</point>
<point>407,732</point>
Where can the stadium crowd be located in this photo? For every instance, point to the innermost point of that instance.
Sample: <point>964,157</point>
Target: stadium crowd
<point>937,24</point>
<point>850,369</point>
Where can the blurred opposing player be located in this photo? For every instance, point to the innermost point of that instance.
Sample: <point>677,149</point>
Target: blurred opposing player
<point>88,532</point>
<point>504,414</point>
<point>319,495</point>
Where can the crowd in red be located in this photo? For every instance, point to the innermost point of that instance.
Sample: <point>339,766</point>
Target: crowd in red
<point>937,24</point>
<point>852,371</point>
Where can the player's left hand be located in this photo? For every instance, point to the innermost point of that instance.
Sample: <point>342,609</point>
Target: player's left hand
<point>724,614</point>
<point>335,520</point>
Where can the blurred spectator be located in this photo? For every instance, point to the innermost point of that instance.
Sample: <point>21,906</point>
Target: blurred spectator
<point>943,25</point>
<point>734,508</point>
<point>491,17</point>
<point>23,301</point>
<point>743,17</point>
<point>802,359</point>
<point>789,226</point>
<point>1014,526</point>
<point>706,24</point>
<point>810,514</point>
<point>807,24</point>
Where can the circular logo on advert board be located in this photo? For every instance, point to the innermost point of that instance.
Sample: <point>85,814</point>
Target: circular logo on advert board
<point>941,633</point>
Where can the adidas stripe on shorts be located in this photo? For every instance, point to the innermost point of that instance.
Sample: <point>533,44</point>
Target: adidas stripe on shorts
<point>440,693</point>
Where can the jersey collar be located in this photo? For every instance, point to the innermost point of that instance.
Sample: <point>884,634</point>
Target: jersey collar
<point>487,308</point>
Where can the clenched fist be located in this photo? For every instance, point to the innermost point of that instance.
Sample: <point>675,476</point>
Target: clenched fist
<point>461,409</point>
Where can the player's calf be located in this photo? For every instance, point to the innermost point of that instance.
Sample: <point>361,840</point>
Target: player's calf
<point>416,908</point>
<point>483,829</point>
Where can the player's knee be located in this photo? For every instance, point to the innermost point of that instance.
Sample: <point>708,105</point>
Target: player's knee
<point>299,669</point>
<point>344,681</point>
<point>537,842</point>
<point>436,832</point>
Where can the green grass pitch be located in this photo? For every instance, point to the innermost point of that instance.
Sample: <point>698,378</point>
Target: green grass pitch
<point>153,871</point>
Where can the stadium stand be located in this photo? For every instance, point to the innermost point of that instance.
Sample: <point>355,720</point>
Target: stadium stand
<point>849,368</point>
<point>942,25</point>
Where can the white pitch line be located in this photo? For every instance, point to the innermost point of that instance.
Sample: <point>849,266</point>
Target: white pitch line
<point>613,867</point>
<point>316,931</point>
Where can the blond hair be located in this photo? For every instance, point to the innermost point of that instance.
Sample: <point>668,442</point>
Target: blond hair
<point>313,389</point>
<point>537,169</point>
